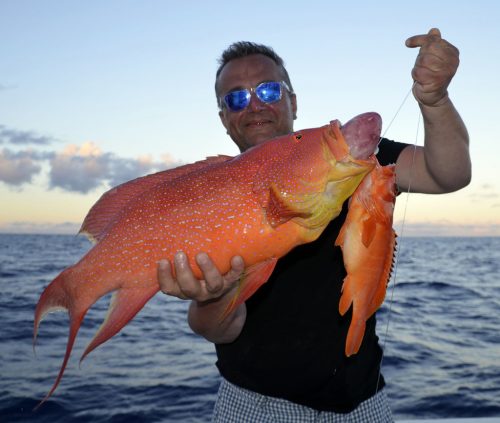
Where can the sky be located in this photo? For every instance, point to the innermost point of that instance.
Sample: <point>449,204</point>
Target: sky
<point>96,93</point>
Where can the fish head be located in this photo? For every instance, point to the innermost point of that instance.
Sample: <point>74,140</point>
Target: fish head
<point>339,154</point>
<point>317,171</point>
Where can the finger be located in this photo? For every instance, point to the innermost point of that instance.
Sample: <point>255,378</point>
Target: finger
<point>188,283</point>
<point>237,267</point>
<point>435,31</point>
<point>420,40</point>
<point>168,284</point>
<point>212,276</point>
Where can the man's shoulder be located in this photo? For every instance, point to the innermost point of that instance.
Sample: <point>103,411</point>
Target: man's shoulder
<point>389,150</point>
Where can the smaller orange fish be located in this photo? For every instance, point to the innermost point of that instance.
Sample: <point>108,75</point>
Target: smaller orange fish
<point>365,239</point>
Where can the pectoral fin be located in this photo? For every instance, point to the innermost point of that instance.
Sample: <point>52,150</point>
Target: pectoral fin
<point>279,210</point>
<point>369,231</point>
<point>253,278</point>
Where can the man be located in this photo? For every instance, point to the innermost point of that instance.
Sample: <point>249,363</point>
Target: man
<point>281,353</point>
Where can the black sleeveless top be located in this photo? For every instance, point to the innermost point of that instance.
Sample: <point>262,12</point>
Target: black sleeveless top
<point>292,343</point>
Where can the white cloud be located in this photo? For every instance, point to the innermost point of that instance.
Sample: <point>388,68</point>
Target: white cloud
<point>76,168</point>
<point>83,168</point>
<point>79,168</point>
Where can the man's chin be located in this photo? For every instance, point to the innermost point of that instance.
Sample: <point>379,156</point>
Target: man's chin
<point>261,134</point>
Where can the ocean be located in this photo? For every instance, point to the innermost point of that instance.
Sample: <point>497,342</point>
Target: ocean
<point>439,327</point>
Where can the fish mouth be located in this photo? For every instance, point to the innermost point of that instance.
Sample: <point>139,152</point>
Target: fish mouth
<point>362,134</point>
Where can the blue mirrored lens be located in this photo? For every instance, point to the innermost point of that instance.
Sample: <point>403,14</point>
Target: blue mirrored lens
<point>269,92</point>
<point>237,100</point>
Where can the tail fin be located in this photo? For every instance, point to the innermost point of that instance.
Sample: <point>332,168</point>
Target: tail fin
<point>59,295</point>
<point>355,335</point>
<point>56,297</point>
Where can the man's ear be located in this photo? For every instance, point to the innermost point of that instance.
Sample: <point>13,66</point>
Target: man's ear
<point>223,119</point>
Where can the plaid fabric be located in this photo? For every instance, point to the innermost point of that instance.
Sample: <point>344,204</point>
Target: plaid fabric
<point>238,405</point>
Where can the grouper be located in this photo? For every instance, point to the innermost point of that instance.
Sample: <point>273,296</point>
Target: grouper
<point>259,204</point>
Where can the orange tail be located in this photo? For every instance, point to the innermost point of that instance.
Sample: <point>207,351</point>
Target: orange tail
<point>355,334</point>
<point>57,298</point>
<point>125,304</point>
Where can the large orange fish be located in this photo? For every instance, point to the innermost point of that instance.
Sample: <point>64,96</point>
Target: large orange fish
<point>259,204</point>
<point>367,240</point>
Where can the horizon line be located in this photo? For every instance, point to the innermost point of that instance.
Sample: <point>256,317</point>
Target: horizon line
<point>406,229</point>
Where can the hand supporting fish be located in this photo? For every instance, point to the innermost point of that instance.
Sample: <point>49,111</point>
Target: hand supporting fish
<point>258,205</point>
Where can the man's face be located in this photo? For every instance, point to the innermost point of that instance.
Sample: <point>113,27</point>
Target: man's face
<point>258,122</point>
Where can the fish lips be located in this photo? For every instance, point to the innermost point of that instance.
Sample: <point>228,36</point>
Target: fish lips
<point>362,134</point>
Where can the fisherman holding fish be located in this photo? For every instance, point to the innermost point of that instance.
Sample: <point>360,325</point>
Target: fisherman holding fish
<point>281,353</point>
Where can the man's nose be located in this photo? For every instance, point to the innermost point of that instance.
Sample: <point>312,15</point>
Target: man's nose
<point>255,104</point>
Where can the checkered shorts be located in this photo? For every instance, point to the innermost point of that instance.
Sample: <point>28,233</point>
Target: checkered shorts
<point>238,405</point>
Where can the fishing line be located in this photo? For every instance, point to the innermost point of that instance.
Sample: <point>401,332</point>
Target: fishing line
<point>401,232</point>
<point>398,110</point>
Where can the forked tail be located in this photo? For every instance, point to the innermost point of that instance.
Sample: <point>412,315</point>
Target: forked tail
<point>56,297</point>
<point>61,295</point>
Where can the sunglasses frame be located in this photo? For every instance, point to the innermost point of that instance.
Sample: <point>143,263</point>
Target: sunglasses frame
<point>249,91</point>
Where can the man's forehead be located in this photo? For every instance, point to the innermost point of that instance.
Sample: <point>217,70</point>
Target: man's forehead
<point>248,70</point>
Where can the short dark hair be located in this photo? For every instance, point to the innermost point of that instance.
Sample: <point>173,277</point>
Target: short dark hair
<point>242,49</point>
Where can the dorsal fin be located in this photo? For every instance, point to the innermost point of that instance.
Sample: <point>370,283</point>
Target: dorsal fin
<point>108,207</point>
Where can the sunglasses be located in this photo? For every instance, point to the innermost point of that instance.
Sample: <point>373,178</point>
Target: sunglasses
<point>267,92</point>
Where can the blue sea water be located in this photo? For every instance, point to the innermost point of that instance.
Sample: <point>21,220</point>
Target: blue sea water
<point>439,326</point>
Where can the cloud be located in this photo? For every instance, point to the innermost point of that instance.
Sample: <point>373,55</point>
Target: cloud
<point>79,169</point>
<point>17,168</point>
<point>84,168</point>
<point>123,170</point>
<point>17,137</point>
<point>76,168</point>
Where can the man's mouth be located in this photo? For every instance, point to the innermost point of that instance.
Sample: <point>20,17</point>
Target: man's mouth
<point>257,123</point>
